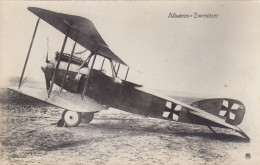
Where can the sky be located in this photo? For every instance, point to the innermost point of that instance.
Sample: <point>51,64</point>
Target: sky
<point>217,56</point>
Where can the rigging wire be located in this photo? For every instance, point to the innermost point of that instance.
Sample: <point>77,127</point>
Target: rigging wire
<point>32,71</point>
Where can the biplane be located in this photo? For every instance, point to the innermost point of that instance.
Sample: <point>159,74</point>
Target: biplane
<point>84,90</point>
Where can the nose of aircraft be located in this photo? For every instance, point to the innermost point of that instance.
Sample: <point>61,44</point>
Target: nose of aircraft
<point>47,72</point>
<point>47,66</point>
<point>43,68</point>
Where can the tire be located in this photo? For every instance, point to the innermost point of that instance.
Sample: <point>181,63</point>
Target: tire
<point>60,123</point>
<point>87,117</point>
<point>71,118</point>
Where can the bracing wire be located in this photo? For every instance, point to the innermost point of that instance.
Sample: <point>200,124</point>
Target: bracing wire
<point>32,71</point>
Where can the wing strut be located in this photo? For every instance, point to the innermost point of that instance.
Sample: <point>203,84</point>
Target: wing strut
<point>127,73</point>
<point>72,52</point>
<point>113,69</point>
<point>117,69</point>
<point>28,54</point>
<point>58,63</point>
<point>86,84</point>
<point>102,63</point>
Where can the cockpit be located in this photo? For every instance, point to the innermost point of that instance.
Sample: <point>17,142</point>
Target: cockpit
<point>116,71</point>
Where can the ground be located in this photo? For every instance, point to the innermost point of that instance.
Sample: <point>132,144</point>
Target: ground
<point>29,135</point>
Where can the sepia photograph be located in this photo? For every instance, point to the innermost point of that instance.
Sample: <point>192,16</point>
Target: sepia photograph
<point>129,82</point>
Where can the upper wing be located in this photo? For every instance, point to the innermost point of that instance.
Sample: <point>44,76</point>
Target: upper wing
<point>87,36</point>
<point>66,100</point>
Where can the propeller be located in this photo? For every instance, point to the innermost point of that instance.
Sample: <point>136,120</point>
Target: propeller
<point>47,78</point>
<point>47,59</point>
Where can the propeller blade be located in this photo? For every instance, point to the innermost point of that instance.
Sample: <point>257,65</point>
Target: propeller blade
<point>47,59</point>
<point>47,81</point>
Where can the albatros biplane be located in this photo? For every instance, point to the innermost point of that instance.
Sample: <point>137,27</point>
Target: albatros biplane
<point>85,90</point>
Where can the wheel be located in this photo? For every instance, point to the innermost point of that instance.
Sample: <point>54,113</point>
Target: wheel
<point>87,117</point>
<point>60,123</point>
<point>71,118</point>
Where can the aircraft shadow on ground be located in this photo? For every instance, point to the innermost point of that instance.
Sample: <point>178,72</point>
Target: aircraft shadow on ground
<point>174,130</point>
<point>66,145</point>
<point>219,136</point>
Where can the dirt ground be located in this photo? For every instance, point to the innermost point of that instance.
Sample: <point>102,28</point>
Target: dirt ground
<point>29,136</point>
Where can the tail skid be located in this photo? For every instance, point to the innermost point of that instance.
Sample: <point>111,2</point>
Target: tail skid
<point>238,130</point>
<point>243,134</point>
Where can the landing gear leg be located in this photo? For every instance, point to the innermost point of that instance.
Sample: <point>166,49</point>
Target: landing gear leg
<point>244,135</point>
<point>211,130</point>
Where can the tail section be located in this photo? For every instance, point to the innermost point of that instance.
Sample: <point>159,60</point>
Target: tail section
<point>232,111</point>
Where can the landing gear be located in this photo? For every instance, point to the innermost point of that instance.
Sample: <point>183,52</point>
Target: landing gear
<point>87,117</point>
<point>71,118</point>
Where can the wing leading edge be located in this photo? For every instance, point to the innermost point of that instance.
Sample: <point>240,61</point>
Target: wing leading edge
<point>87,36</point>
<point>65,100</point>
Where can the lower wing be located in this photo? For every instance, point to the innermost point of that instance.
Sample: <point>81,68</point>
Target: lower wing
<point>65,100</point>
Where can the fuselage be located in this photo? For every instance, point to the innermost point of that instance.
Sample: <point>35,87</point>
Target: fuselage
<point>130,97</point>
<point>107,91</point>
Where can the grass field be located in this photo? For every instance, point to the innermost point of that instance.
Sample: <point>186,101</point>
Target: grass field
<point>29,135</point>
